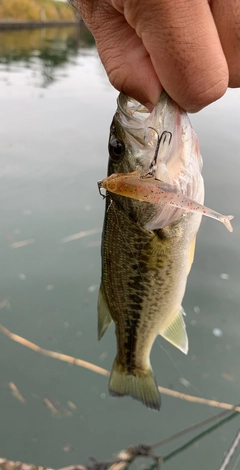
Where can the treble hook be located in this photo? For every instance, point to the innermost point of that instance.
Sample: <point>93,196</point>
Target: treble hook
<point>161,139</point>
<point>99,183</point>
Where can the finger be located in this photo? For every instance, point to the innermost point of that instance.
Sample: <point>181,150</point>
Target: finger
<point>184,47</point>
<point>227,18</point>
<point>122,52</point>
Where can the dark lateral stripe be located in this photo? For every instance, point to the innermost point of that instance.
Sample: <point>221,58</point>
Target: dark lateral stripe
<point>133,321</point>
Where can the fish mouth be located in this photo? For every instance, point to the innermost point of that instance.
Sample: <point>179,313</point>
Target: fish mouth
<point>145,127</point>
<point>168,147</point>
<point>132,109</point>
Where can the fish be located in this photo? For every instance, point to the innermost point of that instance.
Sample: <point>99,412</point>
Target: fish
<point>147,247</point>
<point>155,191</point>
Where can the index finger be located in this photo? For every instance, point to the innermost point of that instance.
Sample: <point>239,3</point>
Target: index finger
<point>182,41</point>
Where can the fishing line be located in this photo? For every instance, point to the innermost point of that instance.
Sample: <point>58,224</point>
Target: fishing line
<point>200,436</point>
<point>193,427</point>
<point>176,367</point>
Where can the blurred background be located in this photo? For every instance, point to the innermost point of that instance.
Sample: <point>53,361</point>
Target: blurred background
<point>56,108</point>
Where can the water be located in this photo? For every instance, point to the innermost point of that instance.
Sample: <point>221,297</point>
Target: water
<point>56,108</point>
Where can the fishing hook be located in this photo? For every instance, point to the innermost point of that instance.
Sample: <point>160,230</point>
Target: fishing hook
<point>162,138</point>
<point>104,196</point>
<point>99,183</point>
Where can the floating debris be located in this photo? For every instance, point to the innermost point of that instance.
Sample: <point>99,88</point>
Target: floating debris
<point>82,234</point>
<point>22,243</point>
<point>68,448</point>
<point>217,332</point>
<point>228,377</point>
<point>27,212</point>
<point>225,276</point>
<point>49,287</point>
<point>50,406</point>
<point>5,304</point>
<point>103,356</point>
<point>71,405</point>
<point>184,382</point>
<point>22,276</point>
<point>93,244</point>
<point>16,393</point>
<point>196,309</point>
<point>93,288</point>
<point>56,408</point>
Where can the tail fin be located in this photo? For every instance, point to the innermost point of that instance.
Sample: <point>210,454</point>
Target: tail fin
<point>142,386</point>
<point>226,220</point>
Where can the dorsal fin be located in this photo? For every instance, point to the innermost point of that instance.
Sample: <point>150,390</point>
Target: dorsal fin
<point>175,332</point>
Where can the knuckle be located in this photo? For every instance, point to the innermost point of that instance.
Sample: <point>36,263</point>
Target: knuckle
<point>234,74</point>
<point>119,77</point>
<point>206,90</point>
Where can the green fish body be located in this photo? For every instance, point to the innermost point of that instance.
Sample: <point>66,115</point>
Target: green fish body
<point>147,249</point>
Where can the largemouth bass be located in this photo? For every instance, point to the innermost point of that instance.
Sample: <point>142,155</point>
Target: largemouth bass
<point>148,248</point>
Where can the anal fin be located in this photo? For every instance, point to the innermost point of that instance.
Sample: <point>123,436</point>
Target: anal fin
<point>104,316</point>
<point>175,332</point>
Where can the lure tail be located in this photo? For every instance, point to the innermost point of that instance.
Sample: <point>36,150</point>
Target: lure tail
<point>141,385</point>
<point>226,221</point>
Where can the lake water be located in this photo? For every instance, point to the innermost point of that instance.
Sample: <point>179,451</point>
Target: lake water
<point>56,108</point>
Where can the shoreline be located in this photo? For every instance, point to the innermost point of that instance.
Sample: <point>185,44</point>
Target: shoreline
<point>25,24</point>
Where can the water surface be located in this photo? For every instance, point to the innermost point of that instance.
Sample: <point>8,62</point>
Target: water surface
<point>56,108</point>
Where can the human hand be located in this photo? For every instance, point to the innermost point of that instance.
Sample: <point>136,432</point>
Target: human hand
<point>191,48</point>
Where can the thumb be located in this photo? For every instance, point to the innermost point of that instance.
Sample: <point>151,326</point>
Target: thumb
<point>124,56</point>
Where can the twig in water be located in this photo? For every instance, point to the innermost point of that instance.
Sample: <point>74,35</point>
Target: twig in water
<point>11,465</point>
<point>106,373</point>
<point>231,451</point>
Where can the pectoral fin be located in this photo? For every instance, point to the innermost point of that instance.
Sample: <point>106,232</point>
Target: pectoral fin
<point>104,316</point>
<point>175,332</point>
<point>191,254</point>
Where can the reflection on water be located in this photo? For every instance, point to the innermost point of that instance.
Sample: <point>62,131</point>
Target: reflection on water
<point>53,151</point>
<point>48,48</point>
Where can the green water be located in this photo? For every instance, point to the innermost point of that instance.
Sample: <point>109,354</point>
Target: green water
<point>56,106</point>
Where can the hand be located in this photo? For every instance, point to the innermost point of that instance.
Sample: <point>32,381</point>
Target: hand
<point>191,48</point>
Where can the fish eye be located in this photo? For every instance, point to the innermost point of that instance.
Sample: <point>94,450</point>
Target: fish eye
<point>116,150</point>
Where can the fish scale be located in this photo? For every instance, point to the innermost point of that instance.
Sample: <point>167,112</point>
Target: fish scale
<point>148,247</point>
<point>137,284</point>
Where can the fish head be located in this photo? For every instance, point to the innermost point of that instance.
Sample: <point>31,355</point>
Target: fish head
<point>129,143</point>
<point>160,143</point>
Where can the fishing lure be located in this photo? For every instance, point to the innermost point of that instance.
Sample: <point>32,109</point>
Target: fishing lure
<point>154,191</point>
